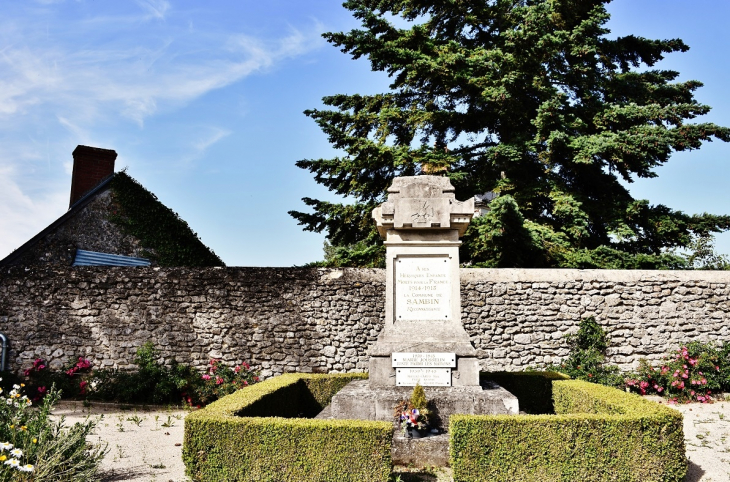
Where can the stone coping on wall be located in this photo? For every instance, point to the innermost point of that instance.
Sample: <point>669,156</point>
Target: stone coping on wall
<point>616,276</point>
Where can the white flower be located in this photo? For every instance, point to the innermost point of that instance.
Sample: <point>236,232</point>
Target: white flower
<point>26,468</point>
<point>12,462</point>
<point>16,387</point>
<point>17,453</point>
<point>5,446</point>
<point>9,401</point>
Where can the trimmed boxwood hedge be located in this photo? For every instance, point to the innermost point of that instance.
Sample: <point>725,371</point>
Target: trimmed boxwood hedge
<point>596,434</point>
<point>256,435</point>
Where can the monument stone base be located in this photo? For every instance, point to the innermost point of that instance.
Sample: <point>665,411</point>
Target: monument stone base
<point>358,400</point>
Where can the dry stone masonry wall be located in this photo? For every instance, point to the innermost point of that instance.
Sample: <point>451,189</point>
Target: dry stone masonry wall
<point>308,319</point>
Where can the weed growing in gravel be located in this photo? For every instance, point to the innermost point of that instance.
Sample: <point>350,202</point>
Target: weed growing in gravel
<point>137,420</point>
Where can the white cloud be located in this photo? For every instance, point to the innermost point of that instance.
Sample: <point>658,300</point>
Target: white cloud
<point>21,214</point>
<point>215,135</point>
<point>155,8</point>
<point>80,78</point>
<point>135,81</point>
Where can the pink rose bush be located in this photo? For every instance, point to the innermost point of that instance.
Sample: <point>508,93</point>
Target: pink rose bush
<point>692,374</point>
<point>218,381</point>
<point>153,381</point>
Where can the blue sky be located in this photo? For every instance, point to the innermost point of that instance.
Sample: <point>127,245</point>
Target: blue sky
<point>203,103</point>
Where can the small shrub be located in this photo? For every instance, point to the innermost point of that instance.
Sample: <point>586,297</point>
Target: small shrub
<point>587,354</point>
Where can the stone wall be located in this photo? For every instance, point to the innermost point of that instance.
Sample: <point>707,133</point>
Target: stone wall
<point>306,319</point>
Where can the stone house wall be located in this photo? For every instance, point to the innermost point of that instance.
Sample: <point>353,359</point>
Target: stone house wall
<point>323,320</point>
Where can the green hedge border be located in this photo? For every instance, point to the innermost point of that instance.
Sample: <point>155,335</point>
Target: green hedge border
<point>597,433</point>
<point>255,435</point>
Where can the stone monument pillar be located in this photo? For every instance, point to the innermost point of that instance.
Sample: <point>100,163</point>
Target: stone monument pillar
<point>423,338</point>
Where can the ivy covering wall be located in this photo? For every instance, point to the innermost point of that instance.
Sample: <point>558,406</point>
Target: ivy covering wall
<point>167,238</point>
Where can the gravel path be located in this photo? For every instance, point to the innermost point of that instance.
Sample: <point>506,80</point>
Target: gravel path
<point>146,444</point>
<point>707,438</point>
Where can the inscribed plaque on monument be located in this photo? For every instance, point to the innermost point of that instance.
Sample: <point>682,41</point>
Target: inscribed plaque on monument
<point>426,377</point>
<point>423,360</point>
<point>422,288</point>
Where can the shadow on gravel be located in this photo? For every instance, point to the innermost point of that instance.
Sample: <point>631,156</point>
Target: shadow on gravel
<point>121,475</point>
<point>694,472</point>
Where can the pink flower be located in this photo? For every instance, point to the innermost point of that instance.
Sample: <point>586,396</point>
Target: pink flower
<point>237,369</point>
<point>218,380</point>
<point>703,381</point>
<point>206,377</point>
<point>245,383</point>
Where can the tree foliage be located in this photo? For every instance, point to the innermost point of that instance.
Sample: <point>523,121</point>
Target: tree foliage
<point>530,99</point>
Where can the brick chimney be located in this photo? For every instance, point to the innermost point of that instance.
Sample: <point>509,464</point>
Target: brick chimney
<point>91,166</point>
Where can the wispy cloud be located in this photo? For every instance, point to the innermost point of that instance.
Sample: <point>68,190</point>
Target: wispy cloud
<point>138,81</point>
<point>156,8</point>
<point>215,135</point>
<point>73,77</point>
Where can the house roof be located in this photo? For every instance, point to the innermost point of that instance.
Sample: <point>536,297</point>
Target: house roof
<point>72,211</point>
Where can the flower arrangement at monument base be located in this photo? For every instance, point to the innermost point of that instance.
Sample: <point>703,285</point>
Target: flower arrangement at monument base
<point>413,415</point>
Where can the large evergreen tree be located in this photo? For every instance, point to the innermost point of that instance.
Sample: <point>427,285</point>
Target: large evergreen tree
<point>529,99</point>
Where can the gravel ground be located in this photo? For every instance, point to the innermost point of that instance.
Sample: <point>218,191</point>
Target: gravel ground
<point>146,444</point>
<point>707,438</point>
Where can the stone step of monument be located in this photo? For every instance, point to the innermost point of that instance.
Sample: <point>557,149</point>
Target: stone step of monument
<point>420,452</point>
<point>357,400</point>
